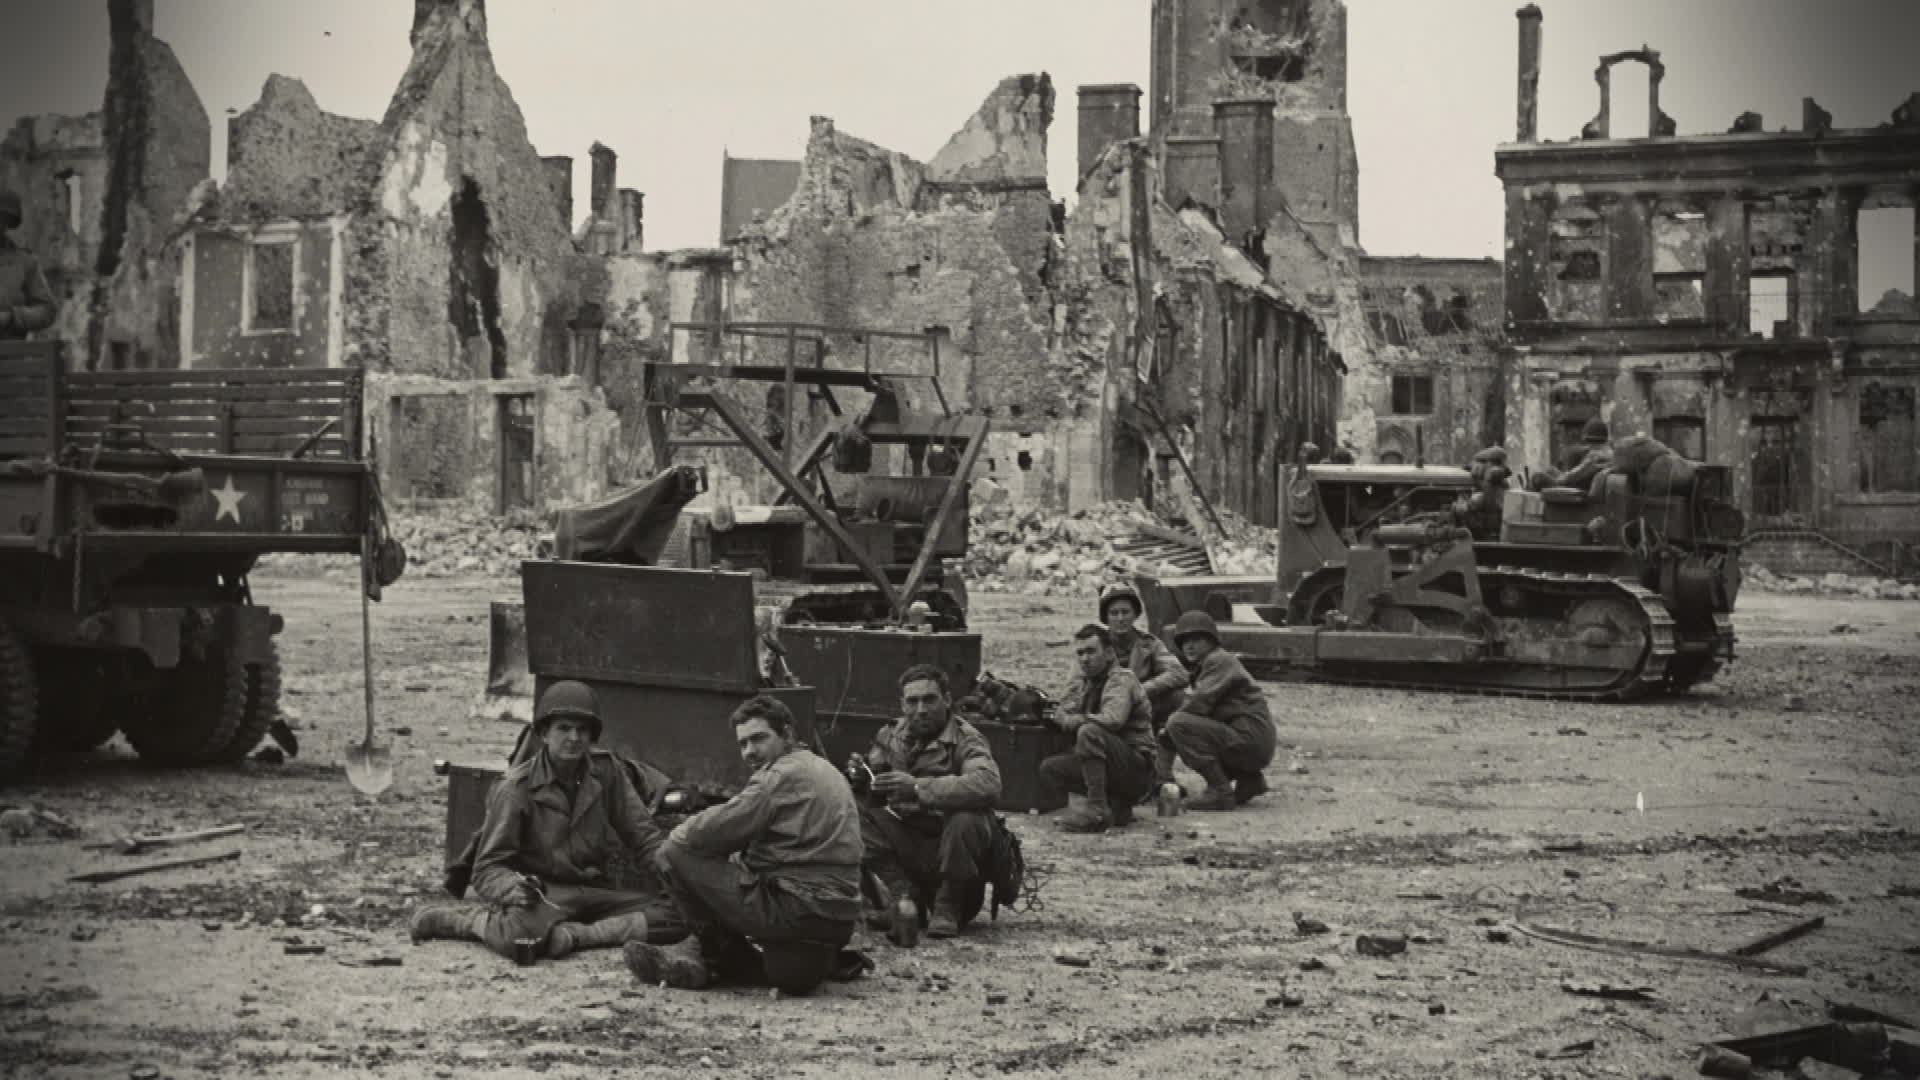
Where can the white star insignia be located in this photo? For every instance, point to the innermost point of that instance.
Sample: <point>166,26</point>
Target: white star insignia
<point>229,499</point>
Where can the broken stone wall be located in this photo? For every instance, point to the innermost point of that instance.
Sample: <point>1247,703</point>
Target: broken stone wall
<point>1434,379</point>
<point>58,167</point>
<point>159,149</point>
<point>634,332</point>
<point>287,322</point>
<point>288,158</point>
<point>457,247</point>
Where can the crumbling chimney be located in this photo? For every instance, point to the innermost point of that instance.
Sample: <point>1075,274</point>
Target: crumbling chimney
<point>1109,113</point>
<point>632,217</point>
<point>1528,122</point>
<point>1245,130</point>
<point>602,194</point>
<point>560,175</point>
<point>131,16</point>
<point>1192,170</point>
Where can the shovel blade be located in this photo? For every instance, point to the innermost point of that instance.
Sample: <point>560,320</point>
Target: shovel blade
<point>369,768</point>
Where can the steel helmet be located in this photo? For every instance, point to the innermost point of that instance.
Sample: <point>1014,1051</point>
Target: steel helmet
<point>1595,431</point>
<point>1195,624</point>
<point>1120,590</point>
<point>569,698</point>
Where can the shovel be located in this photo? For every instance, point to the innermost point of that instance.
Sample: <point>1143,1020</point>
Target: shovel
<point>369,767</point>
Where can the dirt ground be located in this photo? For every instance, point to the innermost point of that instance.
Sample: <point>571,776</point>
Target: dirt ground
<point>1168,948</point>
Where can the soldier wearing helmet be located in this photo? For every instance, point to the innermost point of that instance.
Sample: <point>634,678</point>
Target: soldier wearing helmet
<point>26,304</point>
<point>1592,457</point>
<point>1144,654</point>
<point>543,865</point>
<point>1224,730</point>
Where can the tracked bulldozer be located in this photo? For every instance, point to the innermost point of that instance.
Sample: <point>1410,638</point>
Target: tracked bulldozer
<point>1434,578</point>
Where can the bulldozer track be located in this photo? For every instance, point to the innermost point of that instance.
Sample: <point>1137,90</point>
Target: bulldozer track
<point>1647,679</point>
<point>1190,559</point>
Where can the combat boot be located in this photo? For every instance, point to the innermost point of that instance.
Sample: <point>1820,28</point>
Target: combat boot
<point>446,922</point>
<point>1219,793</point>
<point>945,920</point>
<point>1084,815</point>
<point>570,937</point>
<point>1249,786</point>
<point>682,966</point>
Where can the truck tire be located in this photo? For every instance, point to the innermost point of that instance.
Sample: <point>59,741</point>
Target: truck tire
<point>193,711</point>
<point>77,696</point>
<point>18,708</point>
<point>263,704</point>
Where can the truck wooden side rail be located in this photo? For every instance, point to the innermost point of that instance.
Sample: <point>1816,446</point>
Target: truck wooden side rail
<point>133,505</point>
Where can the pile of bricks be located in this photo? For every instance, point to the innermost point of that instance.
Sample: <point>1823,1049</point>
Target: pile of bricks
<point>1074,555</point>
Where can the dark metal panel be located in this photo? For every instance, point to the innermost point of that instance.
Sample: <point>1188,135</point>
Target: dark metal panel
<point>640,625</point>
<point>687,734</point>
<point>854,671</point>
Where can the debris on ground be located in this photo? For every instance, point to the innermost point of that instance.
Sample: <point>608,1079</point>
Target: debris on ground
<point>96,877</point>
<point>1760,579</point>
<point>1785,890</point>
<point>1307,927</point>
<point>127,844</point>
<point>28,822</point>
<point>1781,937</point>
<point>1380,944</point>
<point>1609,991</point>
<point>1596,943</point>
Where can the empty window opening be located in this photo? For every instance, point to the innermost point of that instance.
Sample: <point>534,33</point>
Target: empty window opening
<point>70,191</point>
<point>1889,453</point>
<point>1886,259</point>
<point>1024,460</point>
<point>1685,435</point>
<point>1631,90</point>
<point>1770,305</point>
<point>269,274</point>
<point>1412,395</point>
<point>516,451</point>
<point>1680,264</point>
<point>1273,67</point>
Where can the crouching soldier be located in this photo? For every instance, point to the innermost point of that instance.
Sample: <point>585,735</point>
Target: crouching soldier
<point>1144,654</point>
<point>541,865</point>
<point>1223,731</point>
<point>769,881</point>
<point>1110,767</point>
<point>929,824</point>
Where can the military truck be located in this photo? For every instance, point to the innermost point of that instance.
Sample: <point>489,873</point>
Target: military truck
<point>133,506</point>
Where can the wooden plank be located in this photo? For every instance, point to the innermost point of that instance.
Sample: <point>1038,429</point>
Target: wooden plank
<point>20,385</point>
<point>38,405</point>
<point>209,393</point>
<point>245,376</point>
<point>23,425</point>
<point>100,410</point>
<point>24,366</point>
<point>1780,937</point>
<point>23,445</point>
<point>150,425</point>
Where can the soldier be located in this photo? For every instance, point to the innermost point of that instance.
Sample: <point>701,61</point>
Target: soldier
<point>1223,731</point>
<point>1151,662</point>
<point>1592,457</point>
<point>929,825</point>
<point>26,304</point>
<point>771,878</point>
<point>553,824</point>
<point>1111,766</point>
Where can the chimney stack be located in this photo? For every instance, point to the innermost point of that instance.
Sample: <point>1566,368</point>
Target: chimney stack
<point>560,175</point>
<point>632,217</point>
<point>1192,170</point>
<point>1528,121</point>
<point>1245,130</point>
<point>601,194</point>
<point>1109,113</point>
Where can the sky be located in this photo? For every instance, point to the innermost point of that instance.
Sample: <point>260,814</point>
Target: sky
<point>670,84</point>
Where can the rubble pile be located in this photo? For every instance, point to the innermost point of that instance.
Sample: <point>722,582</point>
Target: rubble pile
<point>1760,579</point>
<point>472,544</point>
<point>1238,547</point>
<point>1036,552</point>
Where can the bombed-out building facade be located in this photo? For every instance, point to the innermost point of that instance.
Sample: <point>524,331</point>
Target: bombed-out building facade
<point>1745,297</point>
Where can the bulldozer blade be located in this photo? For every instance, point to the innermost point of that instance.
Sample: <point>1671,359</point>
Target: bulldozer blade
<point>509,691</point>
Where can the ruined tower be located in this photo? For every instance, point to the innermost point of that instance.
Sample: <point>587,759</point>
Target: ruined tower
<point>1293,52</point>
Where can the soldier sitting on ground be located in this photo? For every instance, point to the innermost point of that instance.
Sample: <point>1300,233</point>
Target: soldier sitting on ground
<point>1151,662</point>
<point>1223,731</point>
<point>768,882</point>
<point>929,824</point>
<point>1110,767</point>
<point>543,861</point>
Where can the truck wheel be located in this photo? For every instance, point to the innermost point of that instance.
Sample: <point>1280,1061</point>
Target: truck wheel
<point>192,711</point>
<point>77,694</point>
<point>263,704</point>
<point>17,704</point>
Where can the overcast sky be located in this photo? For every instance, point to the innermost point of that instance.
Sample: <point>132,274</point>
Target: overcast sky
<point>670,83</point>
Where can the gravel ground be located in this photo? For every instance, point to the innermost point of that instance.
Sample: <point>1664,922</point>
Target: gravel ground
<point>1428,815</point>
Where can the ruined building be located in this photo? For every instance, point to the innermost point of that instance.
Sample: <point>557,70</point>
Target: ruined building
<point>1106,346</point>
<point>434,249</point>
<point>1745,297</point>
<point>1249,119</point>
<point>103,194</point>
